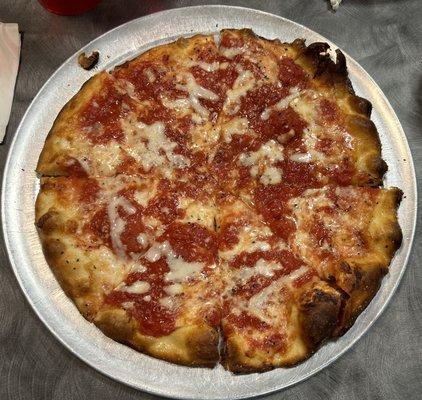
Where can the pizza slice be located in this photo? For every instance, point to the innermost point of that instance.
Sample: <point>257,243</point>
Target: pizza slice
<point>276,310</point>
<point>169,306</point>
<point>152,115</point>
<point>349,235</point>
<point>94,230</point>
<point>294,120</point>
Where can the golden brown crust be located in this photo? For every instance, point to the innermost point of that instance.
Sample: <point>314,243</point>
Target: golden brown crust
<point>385,236</point>
<point>192,345</point>
<point>84,271</point>
<point>320,308</point>
<point>368,148</point>
<point>75,276</point>
<point>52,160</point>
<point>315,310</point>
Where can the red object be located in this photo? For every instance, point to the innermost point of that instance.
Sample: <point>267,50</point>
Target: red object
<point>69,7</point>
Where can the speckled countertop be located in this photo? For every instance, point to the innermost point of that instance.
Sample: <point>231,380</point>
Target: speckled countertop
<point>385,37</point>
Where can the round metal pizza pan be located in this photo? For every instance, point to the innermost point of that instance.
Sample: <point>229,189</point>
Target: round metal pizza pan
<point>58,313</point>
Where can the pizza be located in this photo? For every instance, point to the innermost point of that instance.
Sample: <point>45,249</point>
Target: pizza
<point>219,200</point>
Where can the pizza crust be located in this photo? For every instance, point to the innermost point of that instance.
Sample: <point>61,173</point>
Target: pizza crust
<point>53,157</point>
<point>314,315</point>
<point>385,235</point>
<point>195,345</point>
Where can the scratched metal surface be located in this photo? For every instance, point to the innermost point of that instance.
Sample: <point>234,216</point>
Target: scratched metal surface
<point>386,38</point>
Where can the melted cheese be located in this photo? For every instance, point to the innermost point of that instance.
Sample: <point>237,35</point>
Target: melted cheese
<point>261,267</point>
<point>181,106</point>
<point>271,176</point>
<point>243,83</point>
<point>269,151</point>
<point>173,290</point>
<point>117,224</point>
<point>258,302</point>
<point>209,67</point>
<point>262,161</point>
<point>282,104</point>
<point>101,159</point>
<point>138,287</point>
<point>127,305</point>
<point>125,87</point>
<point>180,270</point>
<point>145,192</point>
<point>236,126</point>
<point>250,240</point>
<point>307,108</point>
<point>149,145</point>
<point>301,157</point>
<point>84,163</point>
<point>195,93</point>
<point>149,73</point>
<point>198,213</point>
<point>204,137</point>
<point>167,302</point>
<point>142,239</point>
<point>231,52</point>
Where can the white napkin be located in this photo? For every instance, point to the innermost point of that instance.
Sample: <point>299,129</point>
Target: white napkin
<point>10,44</point>
<point>335,4</point>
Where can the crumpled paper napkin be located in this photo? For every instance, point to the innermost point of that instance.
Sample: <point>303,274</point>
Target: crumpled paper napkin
<point>10,44</point>
<point>335,4</point>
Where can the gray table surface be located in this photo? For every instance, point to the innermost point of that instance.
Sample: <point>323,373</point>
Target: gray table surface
<point>385,37</point>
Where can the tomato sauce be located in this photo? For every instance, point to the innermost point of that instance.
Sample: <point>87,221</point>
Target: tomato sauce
<point>192,242</point>
<point>300,174</point>
<point>320,232</point>
<point>74,168</point>
<point>243,321</point>
<point>88,189</point>
<point>153,318</point>
<point>342,174</point>
<point>329,111</point>
<point>146,77</point>
<point>271,203</point>
<point>292,75</point>
<point>279,123</point>
<point>99,226</point>
<point>228,235</point>
<point>100,118</point>
<point>258,99</point>
<point>326,146</point>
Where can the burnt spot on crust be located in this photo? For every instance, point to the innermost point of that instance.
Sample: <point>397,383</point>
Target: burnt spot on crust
<point>88,62</point>
<point>53,249</point>
<point>116,324</point>
<point>360,105</point>
<point>204,347</point>
<point>320,308</point>
<point>347,278</point>
<point>380,167</point>
<point>48,222</point>
<point>367,286</point>
<point>235,360</point>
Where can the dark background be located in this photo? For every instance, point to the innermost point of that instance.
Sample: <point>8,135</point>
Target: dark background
<point>385,37</point>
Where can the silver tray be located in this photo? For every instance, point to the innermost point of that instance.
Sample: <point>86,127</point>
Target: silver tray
<point>58,313</point>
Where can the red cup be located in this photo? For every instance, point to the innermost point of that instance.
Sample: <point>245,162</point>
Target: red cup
<point>69,7</point>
